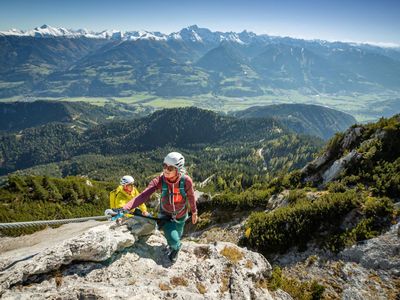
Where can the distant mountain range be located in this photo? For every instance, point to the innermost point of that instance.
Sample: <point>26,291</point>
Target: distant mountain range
<point>191,33</point>
<point>57,62</point>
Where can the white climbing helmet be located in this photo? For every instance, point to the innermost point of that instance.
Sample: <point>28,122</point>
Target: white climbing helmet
<point>175,159</point>
<point>127,179</point>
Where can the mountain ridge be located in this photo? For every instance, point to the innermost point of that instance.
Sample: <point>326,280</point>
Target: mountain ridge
<point>303,118</point>
<point>194,61</point>
<point>17,116</point>
<point>191,31</point>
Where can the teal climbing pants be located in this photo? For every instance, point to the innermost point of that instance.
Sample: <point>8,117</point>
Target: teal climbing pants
<point>173,231</point>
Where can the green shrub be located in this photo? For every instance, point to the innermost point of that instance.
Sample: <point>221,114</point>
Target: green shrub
<point>376,213</point>
<point>334,144</point>
<point>310,290</point>
<point>362,231</point>
<point>385,178</point>
<point>296,196</point>
<point>350,180</point>
<point>378,208</point>
<point>292,180</point>
<point>250,198</point>
<point>336,187</point>
<point>295,225</point>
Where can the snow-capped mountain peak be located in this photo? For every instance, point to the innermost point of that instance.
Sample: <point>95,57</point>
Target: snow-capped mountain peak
<point>232,37</point>
<point>191,33</point>
<point>110,34</point>
<point>195,33</point>
<point>48,31</point>
<point>43,32</point>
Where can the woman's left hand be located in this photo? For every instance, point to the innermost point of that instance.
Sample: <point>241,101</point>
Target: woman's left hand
<point>194,218</point>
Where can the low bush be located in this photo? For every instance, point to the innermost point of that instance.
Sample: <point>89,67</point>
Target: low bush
<point>295,225</point>
<point>251,198</point>
<point>298,290</point>
<point>319,220</point>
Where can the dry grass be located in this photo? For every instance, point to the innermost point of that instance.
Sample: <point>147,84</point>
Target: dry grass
<point>261,284</point>
<point>58,278</point>
<point>376,278</point>
<point>225,280</point>
<point>204,220</point>
<point>201,288</point>
<point>232,253</point>
<point>132,281</point>
<point>202,252</point>
<point>312,259</point>
<point>249,264</point>
<point>394,295</point>
<point>337,267</point>
<point>176,280</point>
<point>164,287</point>
<point>224,285</point>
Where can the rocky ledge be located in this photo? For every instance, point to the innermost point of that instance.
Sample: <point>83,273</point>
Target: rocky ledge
<point>109,262</point>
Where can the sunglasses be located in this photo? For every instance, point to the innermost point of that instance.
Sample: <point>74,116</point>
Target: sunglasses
<point>169,168</point>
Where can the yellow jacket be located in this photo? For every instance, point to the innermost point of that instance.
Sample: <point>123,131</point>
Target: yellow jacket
<point>122,197</point>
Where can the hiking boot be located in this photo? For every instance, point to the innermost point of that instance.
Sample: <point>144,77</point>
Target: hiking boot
<point>173,255</point>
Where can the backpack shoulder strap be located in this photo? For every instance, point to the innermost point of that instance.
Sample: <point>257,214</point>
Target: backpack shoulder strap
<point>164,187</point>
<point>182,186</point>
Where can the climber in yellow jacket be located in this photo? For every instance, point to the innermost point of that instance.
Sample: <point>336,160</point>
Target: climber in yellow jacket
<point>125,192</point>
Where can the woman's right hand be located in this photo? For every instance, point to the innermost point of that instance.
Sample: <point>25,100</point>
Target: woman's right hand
<point>194,218</point>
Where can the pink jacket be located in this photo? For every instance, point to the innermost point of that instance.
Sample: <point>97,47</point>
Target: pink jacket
<point>156,184</point>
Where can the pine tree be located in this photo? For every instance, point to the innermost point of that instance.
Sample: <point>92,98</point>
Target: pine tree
<point>17,184</point>
<point>39,193</point>
<point>71,196</point>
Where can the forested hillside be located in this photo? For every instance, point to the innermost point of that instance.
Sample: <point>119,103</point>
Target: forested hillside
<point>16,116</point>
<point>183,128</point>
<point>27,198</point>
<point>303,118</point>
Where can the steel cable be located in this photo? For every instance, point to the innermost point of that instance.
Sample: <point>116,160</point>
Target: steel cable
<point>49,222</point>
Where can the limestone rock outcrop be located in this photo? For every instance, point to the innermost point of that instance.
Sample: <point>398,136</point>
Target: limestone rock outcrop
<point>328,166</point>
<point>109,262</point>
<point>380,253</point>
<point>369,270</point>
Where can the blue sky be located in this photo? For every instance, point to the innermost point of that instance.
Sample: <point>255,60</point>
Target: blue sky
<point>352,20</point>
